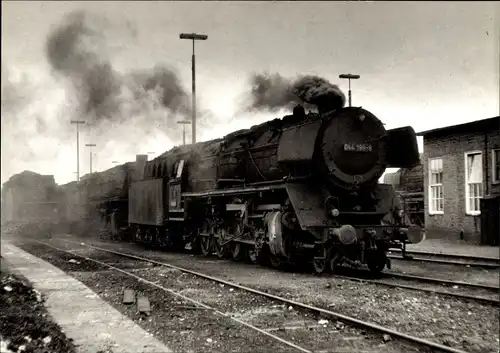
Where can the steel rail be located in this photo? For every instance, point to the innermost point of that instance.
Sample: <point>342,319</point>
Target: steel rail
<point>446,262</point>
<point>197,303</point>
<point>451,256</point>
<point>440,281</point>
<point>326,312</point>
<point>491,301</point>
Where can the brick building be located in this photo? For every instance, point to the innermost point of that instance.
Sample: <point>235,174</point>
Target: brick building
<point>461,165</point>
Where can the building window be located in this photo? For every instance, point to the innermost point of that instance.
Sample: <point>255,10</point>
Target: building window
<point>436,186</point>
<point>496,165</point>
<point>473,182</point>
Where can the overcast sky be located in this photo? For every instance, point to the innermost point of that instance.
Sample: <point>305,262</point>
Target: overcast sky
<point>424,64</point>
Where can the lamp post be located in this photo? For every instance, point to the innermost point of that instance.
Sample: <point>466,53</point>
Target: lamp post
<point>184,123</point>
<point>90,145</point>
<point>349,77</point>
<point>193,37</point>
<point>77,122</point>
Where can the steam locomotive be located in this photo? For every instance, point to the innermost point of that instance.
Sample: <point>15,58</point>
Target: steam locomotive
<point>299,190</point>
<point>409,185</point>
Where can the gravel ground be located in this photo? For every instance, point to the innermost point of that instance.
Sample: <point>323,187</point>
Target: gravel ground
<point>465,325</point>
<point>184,328</point>
<point>448,272</point>
<point>25,325</point>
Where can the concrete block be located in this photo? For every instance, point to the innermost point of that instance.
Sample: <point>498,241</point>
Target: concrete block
<point>143,305</point>
<point>128,296</point>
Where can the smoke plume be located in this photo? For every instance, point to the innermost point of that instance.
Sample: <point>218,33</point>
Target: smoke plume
<point>125,112</point>
<point>75,50</point>
<point>274,92</point>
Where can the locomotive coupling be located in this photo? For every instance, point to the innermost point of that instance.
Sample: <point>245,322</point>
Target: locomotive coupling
<point>345,234</point>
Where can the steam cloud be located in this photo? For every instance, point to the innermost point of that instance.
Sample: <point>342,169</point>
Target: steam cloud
<point>274,92</point>
<point>73,51</point>
<point>123,111</point>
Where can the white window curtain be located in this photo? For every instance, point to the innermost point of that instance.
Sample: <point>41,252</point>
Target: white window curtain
<point>436,204</point>
<point>474,177</point>
<point>474,168</point>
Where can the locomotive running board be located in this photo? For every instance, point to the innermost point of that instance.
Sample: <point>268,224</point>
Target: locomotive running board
<point>309,205</point>
<point>234,191</point>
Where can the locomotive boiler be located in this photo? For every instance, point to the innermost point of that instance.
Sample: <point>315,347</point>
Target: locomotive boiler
<point>302,189</point>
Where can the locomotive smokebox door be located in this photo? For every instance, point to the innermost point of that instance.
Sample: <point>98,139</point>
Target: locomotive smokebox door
<point>350,148</point>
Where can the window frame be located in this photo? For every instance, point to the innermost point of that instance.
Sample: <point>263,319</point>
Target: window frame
<point>495,179</point>
<point>430,203</point>
<point>466,155</point>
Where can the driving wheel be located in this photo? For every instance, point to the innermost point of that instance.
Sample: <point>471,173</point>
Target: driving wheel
<point>253,255</point>
<point>220,238</point>
<point>334,263</point>
<point>376,261</point>
<point>238,251</point>
<point>205,236</point>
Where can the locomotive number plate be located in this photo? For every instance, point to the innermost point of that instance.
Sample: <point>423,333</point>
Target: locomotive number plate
<point>358,147</point>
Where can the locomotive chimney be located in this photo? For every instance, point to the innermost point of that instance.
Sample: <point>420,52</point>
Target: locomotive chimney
<point>327,103</point>
<point>299,113</point>
<point>140,164</point>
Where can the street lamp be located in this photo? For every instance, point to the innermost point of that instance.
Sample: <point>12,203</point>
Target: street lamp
<point>184,123</point>
<point>77,122</point>
<point>90,145</point>
<point>349,77</point>
<point>193,37</point>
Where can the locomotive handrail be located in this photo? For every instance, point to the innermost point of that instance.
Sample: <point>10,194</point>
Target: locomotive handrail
<point>409,194</point>
<point>363,213</point>
<point>255,165</point>
<point>234,190</point>
<point>222,180</point>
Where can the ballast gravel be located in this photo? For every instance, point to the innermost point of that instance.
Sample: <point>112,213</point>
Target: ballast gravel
<point>458,323</point>
<point>184,327</point>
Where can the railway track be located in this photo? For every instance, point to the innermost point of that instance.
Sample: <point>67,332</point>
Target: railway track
<point>440,281</point>
<point>446,259</point>
<point>316,310</point>
<point>489,293</point>
<point>481,293</point>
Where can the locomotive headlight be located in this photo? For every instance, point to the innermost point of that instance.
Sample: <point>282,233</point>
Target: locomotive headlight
<point>401,213</point>
<point>335,212</point>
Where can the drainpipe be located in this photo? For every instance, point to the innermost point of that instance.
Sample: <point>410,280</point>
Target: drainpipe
<point>486,181</point>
